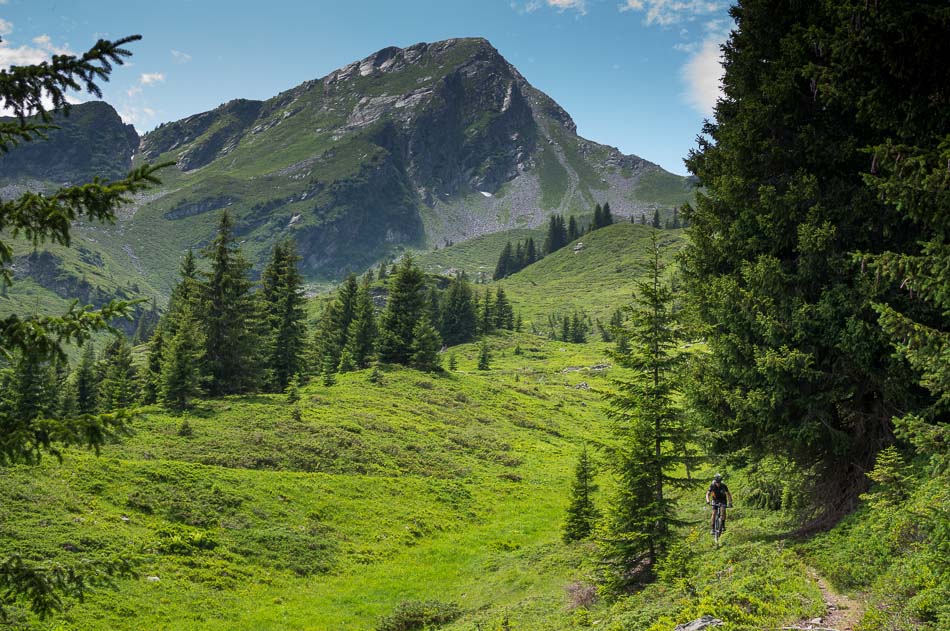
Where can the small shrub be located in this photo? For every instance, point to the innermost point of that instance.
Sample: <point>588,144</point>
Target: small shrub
<point>185,430</point>
<point>413,615</point>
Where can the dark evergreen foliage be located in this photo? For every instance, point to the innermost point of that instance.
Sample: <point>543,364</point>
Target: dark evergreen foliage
<point>405,306</point>
<point>582,514</point>
<point>426,344</point>
<point>119,386</point>
<point>653,433</point>
<point>230,317</point>
<point>824,108</point>
<point>282,297</point>
<point>458,314</point>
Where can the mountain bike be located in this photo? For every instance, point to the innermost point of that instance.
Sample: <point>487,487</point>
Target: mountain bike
<point>718,524</point>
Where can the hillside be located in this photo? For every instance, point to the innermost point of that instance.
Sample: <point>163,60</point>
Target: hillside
<point>594,274</point>
<point>331,521</point>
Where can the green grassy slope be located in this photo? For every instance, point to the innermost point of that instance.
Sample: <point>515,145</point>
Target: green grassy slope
<point>596,279</point>
<point>477,255</point>
<point>379,494</point>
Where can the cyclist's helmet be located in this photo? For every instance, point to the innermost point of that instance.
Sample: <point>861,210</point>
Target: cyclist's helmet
<point>717,477</point>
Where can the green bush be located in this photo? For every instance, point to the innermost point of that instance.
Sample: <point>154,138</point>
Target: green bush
<point>412,615</point>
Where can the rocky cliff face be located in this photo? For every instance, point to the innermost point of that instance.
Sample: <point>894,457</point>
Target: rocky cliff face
<point>409,147</point>
<point>91,141</point>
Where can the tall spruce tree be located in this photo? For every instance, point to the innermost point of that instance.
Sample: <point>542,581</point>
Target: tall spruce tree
<point>818,102</point>
<point>572,232</point>
<point>86,382</point>
<point>582,514</point>
<point>606,217</point>
<point>405,306</point>
<point>426,345</point>
<point>361,333</point>
<point>230,316</point>
<point>282,296</point>
<point>458,316</point>
<point>506,263</point>
<point>119,387</point>
<point>504,314</point>
<point>651,429</point>
<point>181,362</point>
<point>530,252</point>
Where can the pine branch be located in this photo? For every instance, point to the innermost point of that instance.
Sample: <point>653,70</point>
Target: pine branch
<point>44,586</point>
<point>23,88</point>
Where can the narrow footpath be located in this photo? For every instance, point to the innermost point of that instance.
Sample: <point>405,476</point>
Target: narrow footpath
<point>842,613</point>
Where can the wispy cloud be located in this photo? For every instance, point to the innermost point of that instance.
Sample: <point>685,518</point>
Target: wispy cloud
<point>702,75</point>
<point>39,50</point>
<point>530,6</point>
<point>704,26</point>
<point>180,57</point>
<point>148,78</point>
<point>667,12</point>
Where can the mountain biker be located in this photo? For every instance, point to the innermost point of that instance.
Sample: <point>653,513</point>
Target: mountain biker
<point>720,494</point>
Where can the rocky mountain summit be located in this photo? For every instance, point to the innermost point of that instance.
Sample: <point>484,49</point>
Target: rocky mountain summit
<point>90,141</point>
<point>407,148</point>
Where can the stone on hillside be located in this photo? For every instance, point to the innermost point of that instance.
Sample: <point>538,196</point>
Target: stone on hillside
<point>699,624</point>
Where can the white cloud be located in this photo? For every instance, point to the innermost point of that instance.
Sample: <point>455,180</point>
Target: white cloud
<point>667,12</point>
<point>148,78</point>
<point>180,57</point>
<point>42,49</point>
<point>702,75</point>
<point>531,6</point>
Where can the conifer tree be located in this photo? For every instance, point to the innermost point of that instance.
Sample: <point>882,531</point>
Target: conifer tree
<point>459,315</point>
<point>282,295</point>
<point>606,216</point>
<point>426,345</point>
<point>119,387</point>
<point>181,362</point>
<point>361,334</point>
<point>504,315</point>
<point>565,329</point>
<point>229,316</point>
<point>87,382</point>
<point>572,231</point>
<point>650,427</point>
<point>802,167</point>
<point>28,389</point>
<point>484,356</point>
<point>598,221</point>
<point>151,376</point>
<point>578,333</point>
<point>405,306</point>
<point>530,252</point>
<point>582,514</point>
<point>486,319</point>
<point>505,263</point>
<point>656,219</point>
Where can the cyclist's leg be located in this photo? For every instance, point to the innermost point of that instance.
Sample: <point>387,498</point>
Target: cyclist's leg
<point>723,509</point>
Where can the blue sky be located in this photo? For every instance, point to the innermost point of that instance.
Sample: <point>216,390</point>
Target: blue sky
<point>637,74</point>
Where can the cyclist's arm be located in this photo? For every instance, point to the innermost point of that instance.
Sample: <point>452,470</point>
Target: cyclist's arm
<point>707,497</point>
<point>729,497</point>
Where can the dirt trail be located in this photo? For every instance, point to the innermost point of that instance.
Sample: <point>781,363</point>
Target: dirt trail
<point>842,613</point>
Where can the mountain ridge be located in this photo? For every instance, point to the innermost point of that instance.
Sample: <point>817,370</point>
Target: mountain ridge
<point>405,149</point>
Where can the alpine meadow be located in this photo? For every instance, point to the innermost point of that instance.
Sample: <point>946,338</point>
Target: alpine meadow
<point>397,348</point>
